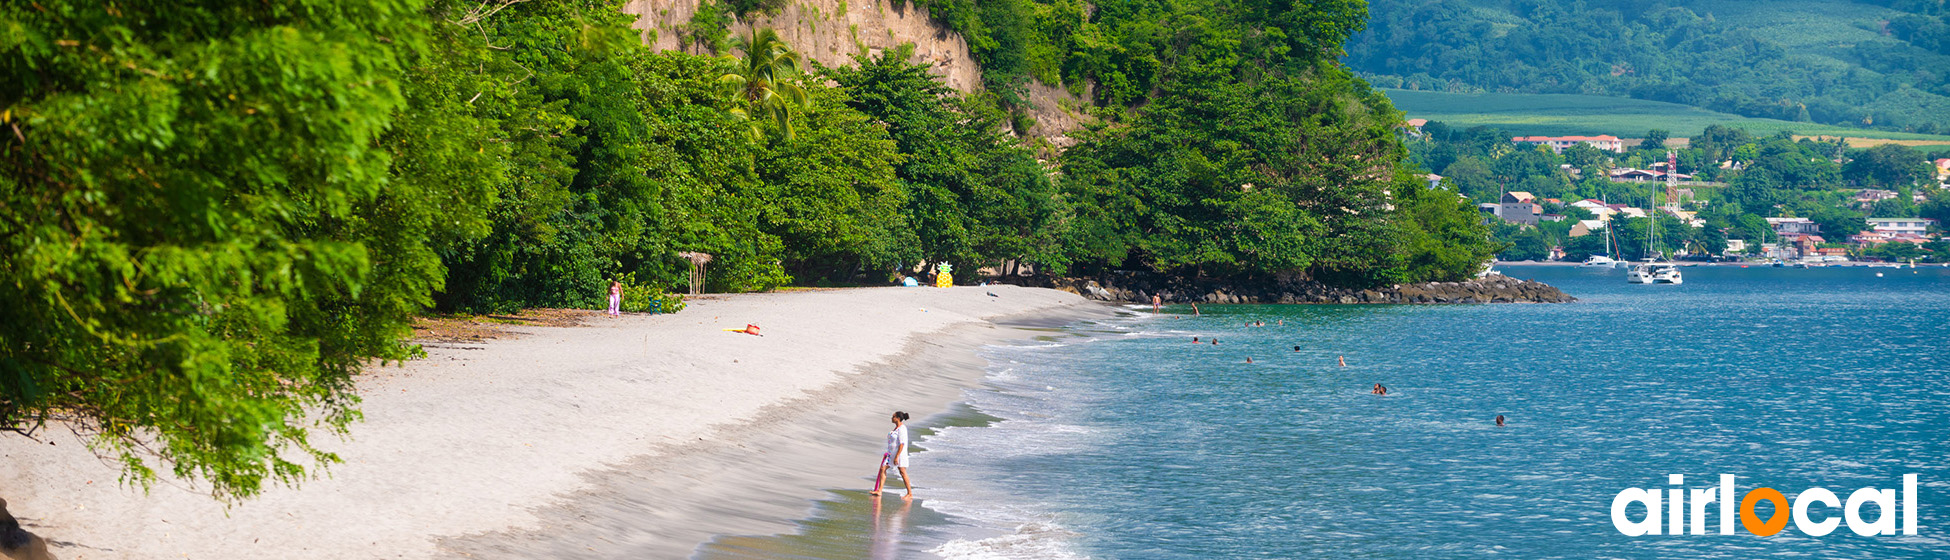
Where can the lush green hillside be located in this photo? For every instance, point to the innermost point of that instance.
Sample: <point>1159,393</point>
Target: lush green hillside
<point>1558,114</point>
<point>1881,64</point>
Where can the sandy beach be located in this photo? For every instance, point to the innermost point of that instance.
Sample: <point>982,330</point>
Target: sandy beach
<point>643,435</point>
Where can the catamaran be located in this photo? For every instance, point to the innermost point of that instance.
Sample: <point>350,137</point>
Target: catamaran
<point>1653,270</point>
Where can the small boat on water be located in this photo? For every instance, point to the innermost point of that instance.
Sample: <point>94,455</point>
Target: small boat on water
<point>1654,273</point>
<point>1600,261</point>
<point>1667,274</point>
<point>1654,270</point>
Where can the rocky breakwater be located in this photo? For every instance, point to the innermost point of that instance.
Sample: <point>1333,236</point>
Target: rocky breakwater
<point>1495,288</point>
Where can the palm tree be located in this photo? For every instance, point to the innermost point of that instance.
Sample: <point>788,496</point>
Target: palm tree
<point>767,80</point>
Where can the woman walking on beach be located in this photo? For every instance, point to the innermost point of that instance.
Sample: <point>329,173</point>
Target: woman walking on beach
<point>615,298</point>
<point>896,456</point>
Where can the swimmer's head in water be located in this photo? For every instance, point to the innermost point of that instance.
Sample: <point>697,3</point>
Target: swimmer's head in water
<point>1296,349</point>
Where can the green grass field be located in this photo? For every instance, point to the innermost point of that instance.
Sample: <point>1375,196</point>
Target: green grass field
<point>1558,115</point>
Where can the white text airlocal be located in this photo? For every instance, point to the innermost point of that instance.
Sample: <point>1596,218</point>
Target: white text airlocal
<point>1684,510</point>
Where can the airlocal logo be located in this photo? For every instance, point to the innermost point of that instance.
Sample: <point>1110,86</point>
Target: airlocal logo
<point>1677,514</point>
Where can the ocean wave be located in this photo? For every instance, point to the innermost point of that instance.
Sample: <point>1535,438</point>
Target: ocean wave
<point>1030,541</point>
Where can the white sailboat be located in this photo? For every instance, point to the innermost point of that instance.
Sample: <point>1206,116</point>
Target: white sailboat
<point>1605,260</point>
<point>1654,270</point>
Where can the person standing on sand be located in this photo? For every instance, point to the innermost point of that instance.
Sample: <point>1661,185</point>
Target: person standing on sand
<point>615,298</point>
<point>896,456</point>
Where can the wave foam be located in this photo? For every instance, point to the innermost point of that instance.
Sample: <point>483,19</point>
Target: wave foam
<point>1030,541</point>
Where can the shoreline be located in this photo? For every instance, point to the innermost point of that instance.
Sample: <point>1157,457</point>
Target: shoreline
<point>491,439</point>
<point>778,465</point>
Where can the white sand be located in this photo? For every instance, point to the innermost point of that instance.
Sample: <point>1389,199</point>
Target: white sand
<point>485,438</point>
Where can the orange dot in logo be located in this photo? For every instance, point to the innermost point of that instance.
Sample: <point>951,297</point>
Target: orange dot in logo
<point>1752,521</point>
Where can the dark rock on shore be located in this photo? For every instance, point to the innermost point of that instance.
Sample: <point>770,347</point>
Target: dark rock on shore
<point>18,544</point>
<point>1139,287</point>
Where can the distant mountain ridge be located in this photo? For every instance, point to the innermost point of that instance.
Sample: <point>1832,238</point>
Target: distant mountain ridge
<point>1865,63</point>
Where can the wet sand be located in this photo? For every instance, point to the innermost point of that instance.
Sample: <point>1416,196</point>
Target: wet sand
<point>634,437</point>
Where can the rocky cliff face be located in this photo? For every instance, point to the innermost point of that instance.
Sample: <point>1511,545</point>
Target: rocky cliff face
<point>832,31</point>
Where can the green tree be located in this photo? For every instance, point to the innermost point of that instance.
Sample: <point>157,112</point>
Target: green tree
<point>1889,165</point>
<point>767,82</point>
<point>1441,237</point>
<point>974,196</point>
<point>832,197</point>
<point>1223,181</point>
<point>1472,178</point>
<point>1655,140</point>
<point>209,228</point>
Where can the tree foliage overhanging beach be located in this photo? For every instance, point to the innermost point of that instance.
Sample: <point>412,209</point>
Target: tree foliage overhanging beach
<point>214,214</point>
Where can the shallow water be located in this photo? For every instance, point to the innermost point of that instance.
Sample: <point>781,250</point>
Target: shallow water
<point>1121,439</point>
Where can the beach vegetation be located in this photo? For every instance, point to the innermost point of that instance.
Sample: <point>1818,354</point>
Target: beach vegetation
<point>216,215</point>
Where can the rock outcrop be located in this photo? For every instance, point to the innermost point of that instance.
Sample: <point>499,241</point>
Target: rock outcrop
<point>18,544</point>
<point>830,32</point>
<point>1139,287</point>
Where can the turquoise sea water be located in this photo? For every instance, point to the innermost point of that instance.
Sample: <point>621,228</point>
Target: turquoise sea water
<point>1122,439</point>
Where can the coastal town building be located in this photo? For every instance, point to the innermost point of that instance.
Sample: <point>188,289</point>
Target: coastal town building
<point>1490,211</point>
<point>1943,173</point>
<point>1797,245</point>
<point>1793,226</point>
<point>1520,207</point>
<point>1900,226</point>
<point>1414,127</point>
<point>1559,143</point>
<point>1586,227</point>
<point>1871,238</point>
<point>1736,245</point>
<point>1595,207</point>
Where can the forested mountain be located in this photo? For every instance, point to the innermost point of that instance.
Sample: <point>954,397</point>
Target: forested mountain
<point>1875,63</point>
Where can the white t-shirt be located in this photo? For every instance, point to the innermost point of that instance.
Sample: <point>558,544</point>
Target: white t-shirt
<point>897,446</point>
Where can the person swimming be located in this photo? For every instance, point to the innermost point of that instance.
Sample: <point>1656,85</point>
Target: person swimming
<point>1343,361</point>
<point>1296,349</point>
<point>1249,359</point>
<point>1194,340</point>
<point>1380,390</point>
<point>1215,342</point>
<point>1499,420</point>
